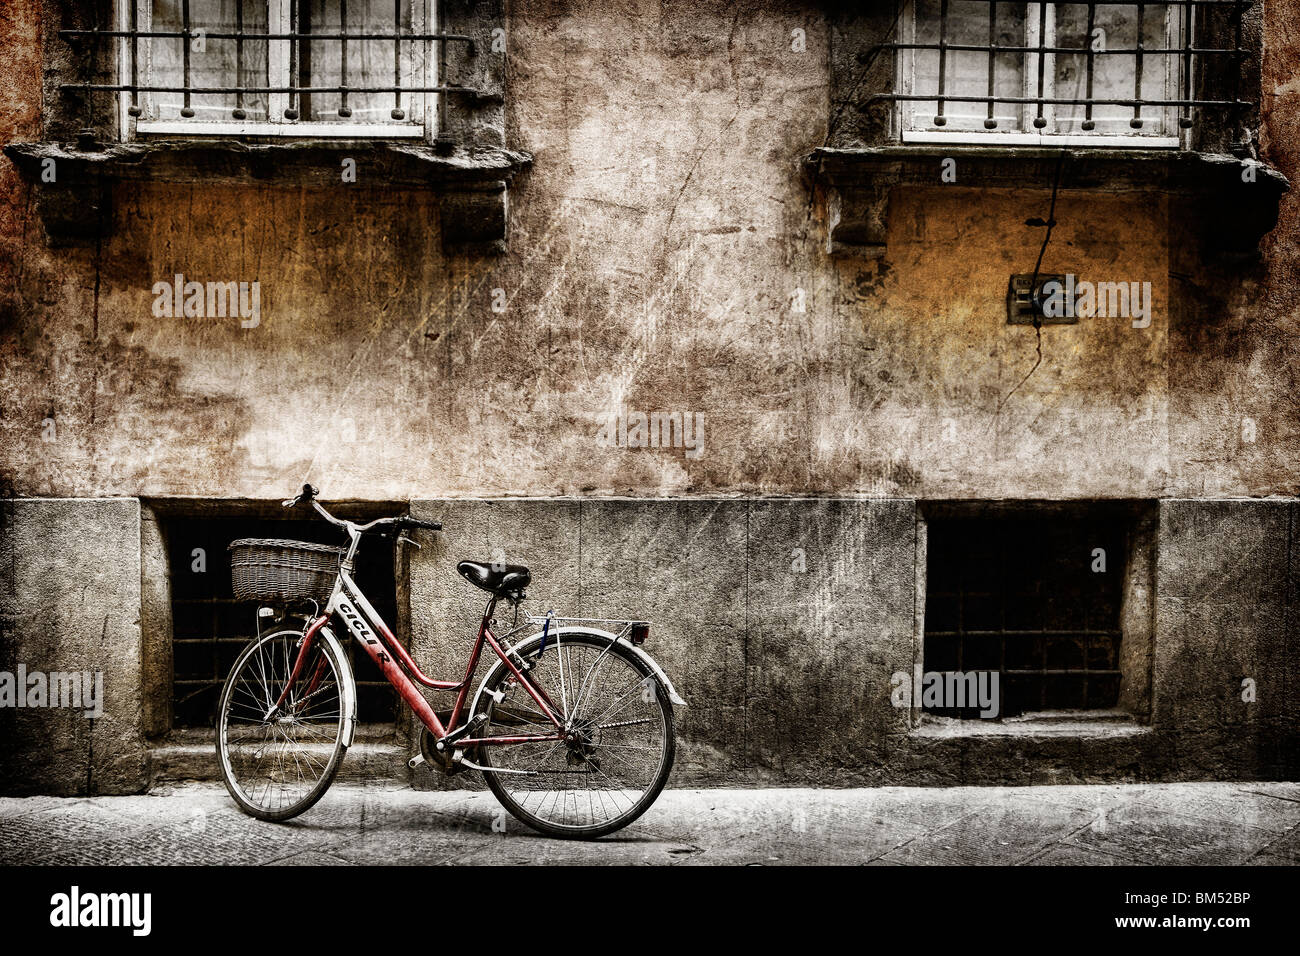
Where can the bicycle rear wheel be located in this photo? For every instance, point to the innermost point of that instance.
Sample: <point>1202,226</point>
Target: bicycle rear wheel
<point>278,764</point>
<point>619,747</point>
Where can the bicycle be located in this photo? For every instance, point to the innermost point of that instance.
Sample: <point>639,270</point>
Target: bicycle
<point>571,726</point>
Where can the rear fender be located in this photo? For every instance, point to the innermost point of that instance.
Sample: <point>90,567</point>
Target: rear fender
<point>528,643</point>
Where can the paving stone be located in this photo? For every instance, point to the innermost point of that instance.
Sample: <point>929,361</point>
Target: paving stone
<point>864,843</point>
<point>1090,797</point>
<point>71,826</point>
<point>1151,836</point>
<point>1239,805</point>
<point>310,858</point>
<point>1255,823</point>
<point>1284,851</point>
<point>619,849</point>
<point>1008,832</point>
<point>1068,854</point>
<point>20,805</point>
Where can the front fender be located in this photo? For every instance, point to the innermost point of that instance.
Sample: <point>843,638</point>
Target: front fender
<point>609,636</point>
<point>348,690</point>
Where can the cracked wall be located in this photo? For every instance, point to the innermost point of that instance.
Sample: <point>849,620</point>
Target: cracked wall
<point>660,248</point>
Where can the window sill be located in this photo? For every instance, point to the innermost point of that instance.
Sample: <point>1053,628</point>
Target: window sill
<point>1045,141</point>
<point>857,183</point>
<point>74,208</point>
<point>153,128</point>
<point>1051,723</point>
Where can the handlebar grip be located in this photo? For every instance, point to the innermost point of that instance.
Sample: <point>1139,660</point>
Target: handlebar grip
<point>421,523</point>
<point>308,493</point>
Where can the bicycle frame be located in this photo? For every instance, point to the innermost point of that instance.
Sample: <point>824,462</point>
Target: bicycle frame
<point>348,604</point>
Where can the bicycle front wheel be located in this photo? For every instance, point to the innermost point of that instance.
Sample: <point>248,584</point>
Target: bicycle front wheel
<point>618,743</point>
<point>277,762</point>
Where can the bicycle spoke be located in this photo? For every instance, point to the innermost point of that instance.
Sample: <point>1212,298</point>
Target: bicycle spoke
<point>601,774</point>
<point>280,763</point>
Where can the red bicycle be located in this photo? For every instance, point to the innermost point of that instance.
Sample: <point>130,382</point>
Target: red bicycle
<point>572,726</point>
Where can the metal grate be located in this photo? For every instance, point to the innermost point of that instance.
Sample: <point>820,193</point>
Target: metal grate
<point>309,27</point>
<point>210,626</point>
<point>1177,57</point>
<point>1019,596</point>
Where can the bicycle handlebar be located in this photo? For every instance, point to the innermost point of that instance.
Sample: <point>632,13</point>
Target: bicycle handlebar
<point>421,523</point>
<point>309,494</point>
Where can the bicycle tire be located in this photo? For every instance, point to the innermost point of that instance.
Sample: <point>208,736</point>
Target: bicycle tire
<point>501,789</point>
<point>245,800</point>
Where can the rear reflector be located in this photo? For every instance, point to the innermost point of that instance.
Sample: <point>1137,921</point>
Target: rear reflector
<point>640,631</point>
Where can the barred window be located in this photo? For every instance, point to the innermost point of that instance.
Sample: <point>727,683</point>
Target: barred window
<point>278,67</point>
<point>1036,598</point>
<point>1101,73</point>
<point>210,627</point>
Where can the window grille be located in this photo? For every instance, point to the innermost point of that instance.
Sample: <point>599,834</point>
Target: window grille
<point>274,67</point>
<point>210,627</point>
<point>1071,71</point>
<point>1022,596</point>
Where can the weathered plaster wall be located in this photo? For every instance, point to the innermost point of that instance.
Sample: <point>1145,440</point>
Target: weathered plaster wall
<point>70,601</point>
<point>784,656</point>
<point>782,622</point>
<point>1226,614</point>
<point>657,246</point>
<point>743,624</point>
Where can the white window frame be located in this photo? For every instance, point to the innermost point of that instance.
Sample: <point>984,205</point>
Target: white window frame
<point>279,20</point>
<point>903,115</point>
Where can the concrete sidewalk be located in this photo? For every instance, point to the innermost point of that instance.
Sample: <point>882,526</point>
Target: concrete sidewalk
<point>1195,823</point>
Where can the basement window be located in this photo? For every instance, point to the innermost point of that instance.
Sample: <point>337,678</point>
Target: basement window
<point>1035,595</point>
<point>210,628</point>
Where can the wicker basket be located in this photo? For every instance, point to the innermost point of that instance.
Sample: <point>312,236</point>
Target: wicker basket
<point>272,569</point>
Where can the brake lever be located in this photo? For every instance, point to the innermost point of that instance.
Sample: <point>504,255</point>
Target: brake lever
<point>308,493</point>
<point>401,537</point>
